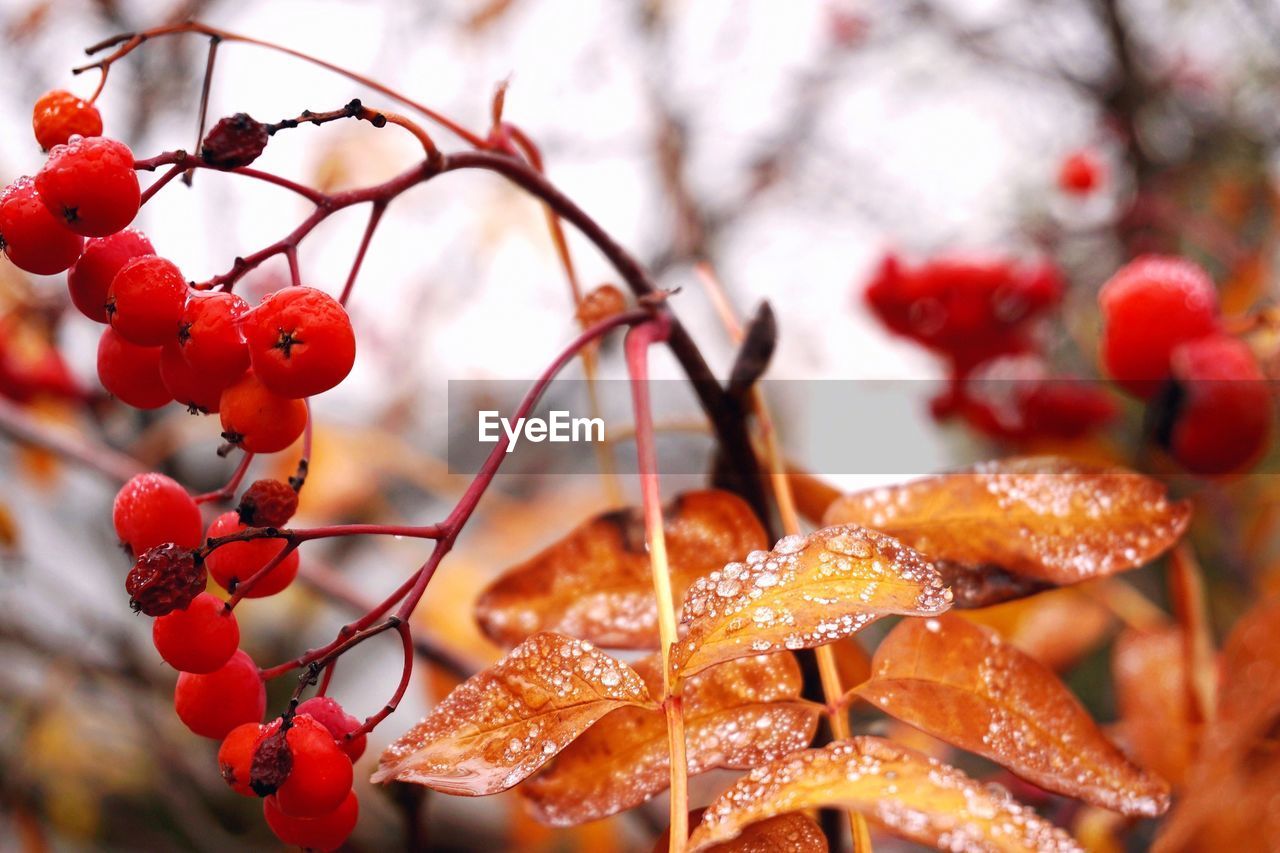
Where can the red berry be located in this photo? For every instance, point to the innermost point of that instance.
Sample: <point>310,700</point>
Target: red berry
<point>164,579</point>
<point>187,385</point>
<point>213,704</point>
<point>267,503</point>
<point>321,833</point>
<point>131,373</point>
<point>1219,407</point>
<point>300,341</point>
<point>60,115</point>
<point>1081,173</point>
<point>321,775</point>
<point>146,300</point>
<point>967,310</point>
<point>152,509</point>
<point>200,638</point>
<point>90,184</point>
<point>259,420</point>
<point>1149,307</point>
<point>236,562</point>
<point>90,277</point>
<point>235,756</point>
<point>210,336</point>
<point>331,715</point>
<point>31,237</point>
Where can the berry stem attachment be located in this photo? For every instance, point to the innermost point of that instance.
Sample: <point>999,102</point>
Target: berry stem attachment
<point>639,339</point>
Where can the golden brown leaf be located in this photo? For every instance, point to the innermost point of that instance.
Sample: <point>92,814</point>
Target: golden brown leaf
<point>910,795</point>
<point>1186,590</point>
<point>1042,518</point>
<point>1153,700</point>
<point>737,715</point>
<point>1058,627</point>
<point>795,832</point>
<point>1250,666</point>
<point>960,682</point>
<point>595,583</point>
<point>501,725</point>
<point>1228,802</point>
<point>809,591</point>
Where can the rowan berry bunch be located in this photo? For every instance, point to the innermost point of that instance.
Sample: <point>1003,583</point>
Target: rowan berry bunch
<point>1164,341</point>
<point>167,339</point>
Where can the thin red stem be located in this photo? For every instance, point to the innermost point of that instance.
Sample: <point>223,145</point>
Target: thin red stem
<point>127,43</point>
<point>375,216</point>
<point>229,490</point>
<point>159,184</point>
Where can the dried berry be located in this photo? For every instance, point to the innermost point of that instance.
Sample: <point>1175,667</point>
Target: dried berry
<point>267,503</point>
<point>272,763</point>
<point>165,578</point>
<point>234,141</point>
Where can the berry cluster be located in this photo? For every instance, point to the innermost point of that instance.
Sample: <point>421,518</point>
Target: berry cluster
<point>979,316</point>
<point>166,339</point>
<point>301,762</point>
<point>1163,341</point>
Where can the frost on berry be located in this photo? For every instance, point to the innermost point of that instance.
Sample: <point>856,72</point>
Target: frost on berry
<point>165,578</point>
<point>806,592</point>
<point>234,141</point>
<point>272,763</point>
<point>267,503</point>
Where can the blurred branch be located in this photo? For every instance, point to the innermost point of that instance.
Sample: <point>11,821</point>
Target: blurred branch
<point>22,428</point>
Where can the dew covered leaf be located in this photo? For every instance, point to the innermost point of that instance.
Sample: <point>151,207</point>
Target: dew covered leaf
<point>909,794</point>
<point>1153,697</point>
<point>795,832</point>
<point>1043,518</point>
<point>961,683</point>
<point>501,725</point>
<point>808,591</point>
<point>595,583</point>
<point>737,715</point>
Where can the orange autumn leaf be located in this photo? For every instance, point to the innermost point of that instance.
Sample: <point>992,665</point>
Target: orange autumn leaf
<point>961,683</point>
<point>809,591</point>
<point>1154,700</point>
<point>1228,802</point>
<point>504,723</point>
<point>737,715</point>
<point>596,584</point>
<point>910,795</point>
<point>788,833</point>
<point>1249,681</point>
<point>1057,627</point>
<point>1043,518</point>
<point>1187,592</point>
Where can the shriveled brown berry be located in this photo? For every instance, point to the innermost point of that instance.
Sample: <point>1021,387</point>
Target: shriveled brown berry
<point>267,503</point>
<point>272,763</point>
<point>165,578</point>
<point>600,304</point>
<point>234,141</point>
